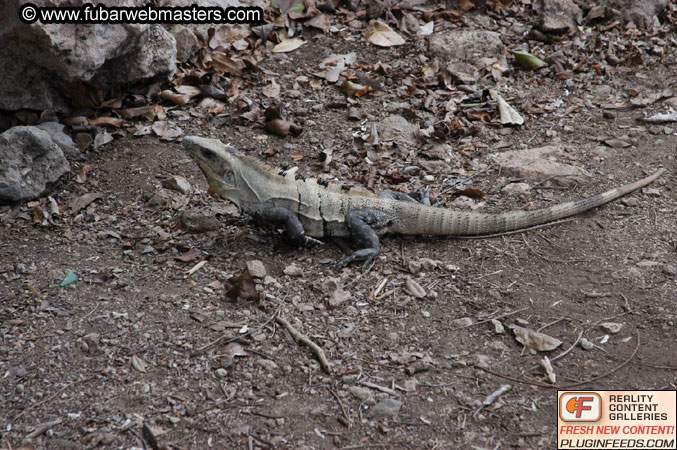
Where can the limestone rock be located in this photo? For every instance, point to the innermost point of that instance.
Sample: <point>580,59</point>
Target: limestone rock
<point>31,160</point>
<point>538,164</point>
<point>476,47</point>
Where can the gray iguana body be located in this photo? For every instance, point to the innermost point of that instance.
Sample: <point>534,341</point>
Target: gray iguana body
<point>308,208</point>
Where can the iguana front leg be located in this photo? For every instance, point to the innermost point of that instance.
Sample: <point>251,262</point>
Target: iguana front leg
<point>285,218</point>
<point>365,226</point>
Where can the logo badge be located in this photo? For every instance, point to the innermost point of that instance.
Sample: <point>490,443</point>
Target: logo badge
<point>580,407</point>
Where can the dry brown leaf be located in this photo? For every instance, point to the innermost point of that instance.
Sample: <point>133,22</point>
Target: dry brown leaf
<point>194,254</point>
<point>242,286</point>
<point>221,61</point>
<point>106,122</point>
<point>179,99</point>
<point>353,89</point>
<point>83,201</point>
<point>81,177</point>
<point>146,111</point>
<point>381,35</point>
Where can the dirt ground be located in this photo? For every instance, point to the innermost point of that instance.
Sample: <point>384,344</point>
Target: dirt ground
<point>140,354</point>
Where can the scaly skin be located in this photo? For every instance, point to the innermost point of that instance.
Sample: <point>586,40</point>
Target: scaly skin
<point>306,208</point>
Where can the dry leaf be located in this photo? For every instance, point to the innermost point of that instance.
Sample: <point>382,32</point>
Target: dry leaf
<point>82,176</point>
<point>528,61</point>
<point>413,288</point>
<point>167,130</point>
<point>106,121</point>
<point>353,89</point>
<point>145,111</point>
<point>534,340</point>
<point>102,139</point>
<point>242,286</point>
<point>381,35</point>
<point>191,255</point>
<point>78,203</point>
<point>547,365</point>
<point>426,30</point>
<point>272,90</point>
<point>508,115</point>
<point>288,45</point>
<point>139,364</point>
<point>221,61</point>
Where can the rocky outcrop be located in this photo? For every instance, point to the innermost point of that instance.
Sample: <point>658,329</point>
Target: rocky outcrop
<point>38,60</point>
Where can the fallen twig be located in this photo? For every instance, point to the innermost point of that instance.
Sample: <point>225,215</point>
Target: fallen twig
<point>343,409</point>
<point>491,398</point>
<point>378,388</point>
<point>502,316</point>
<point>51,397</point>
<point>566,386</point>
<point>43,427</point>
<point>298,337</point>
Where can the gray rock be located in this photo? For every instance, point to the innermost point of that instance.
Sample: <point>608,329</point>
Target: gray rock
<point>559,16</point>
<point>611,327</point>
<point>640,12</point>
<point>387,408</point>
<point>195,222</point>
<point>360,393</point>
<point>338,297</point>
<point>293,271</point>
<point>464,72</point>
<point>470,46</point>
<point>396,128</point>
<point>64,141</point>
<point>31,160</point>
<point>536,164</point>
<point>670,270</point>
<point>256,268</point>
<point>179,184</point>
<point>516,188</point>
<point>152,56</point>
<point>462,322</point>
<point>187,43</point>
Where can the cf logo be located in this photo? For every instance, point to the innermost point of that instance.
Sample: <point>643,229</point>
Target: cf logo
<point>580,406</point>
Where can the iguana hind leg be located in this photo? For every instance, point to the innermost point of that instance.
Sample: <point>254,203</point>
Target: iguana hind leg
<point>285,218</point>
<point>365,226</point>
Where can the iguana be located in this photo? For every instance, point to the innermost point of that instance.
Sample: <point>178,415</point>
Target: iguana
<point>311,208</point>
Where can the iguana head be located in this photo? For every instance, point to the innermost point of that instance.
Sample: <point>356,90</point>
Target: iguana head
<point>217,161</point>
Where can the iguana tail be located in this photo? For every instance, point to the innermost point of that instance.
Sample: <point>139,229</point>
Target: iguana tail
<point>442,221</point>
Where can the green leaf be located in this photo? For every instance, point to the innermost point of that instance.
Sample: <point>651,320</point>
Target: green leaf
<point>528,61</point>
<point>71,278</point>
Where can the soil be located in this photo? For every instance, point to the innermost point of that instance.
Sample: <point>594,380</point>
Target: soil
<point>141,354</point>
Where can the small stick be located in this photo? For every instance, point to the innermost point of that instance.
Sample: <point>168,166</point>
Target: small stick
<point>566,386</point>
<point>51,397</point>
<point>491,398</point>
<point>43,427</point>
<point>378,388</point>
<point>298,337</point>
<point>343,409</point>
<point>502,316</point>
